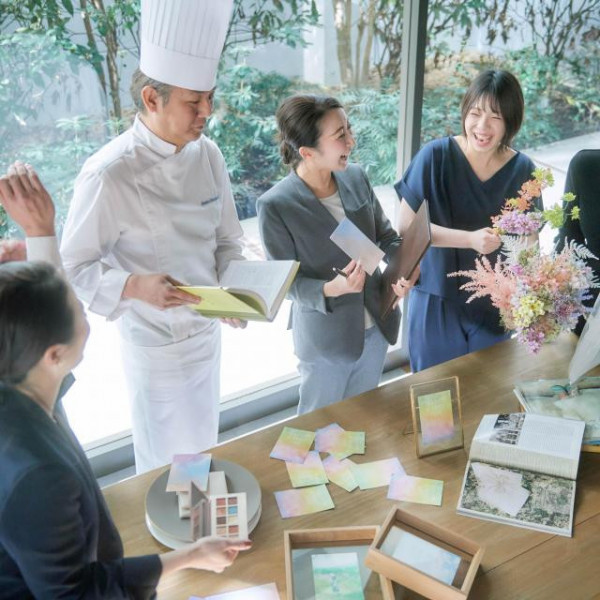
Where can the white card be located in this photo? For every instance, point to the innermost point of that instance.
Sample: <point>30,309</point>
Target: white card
<point>500,489</point>
<point>349,238</point>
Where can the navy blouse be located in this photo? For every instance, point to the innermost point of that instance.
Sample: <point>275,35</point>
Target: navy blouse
<point>458,199</point>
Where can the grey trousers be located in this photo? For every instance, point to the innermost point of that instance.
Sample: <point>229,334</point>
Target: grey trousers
<point>325,381</point>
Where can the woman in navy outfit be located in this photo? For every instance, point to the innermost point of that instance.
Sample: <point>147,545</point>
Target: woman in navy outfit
<point>466,179</point>
<point>57,539</point>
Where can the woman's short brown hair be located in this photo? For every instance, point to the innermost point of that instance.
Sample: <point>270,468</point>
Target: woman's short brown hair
<point>503,92</point>
<point>298,119</point>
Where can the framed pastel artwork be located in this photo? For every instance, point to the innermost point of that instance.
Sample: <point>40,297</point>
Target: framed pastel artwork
<point>436,415</point>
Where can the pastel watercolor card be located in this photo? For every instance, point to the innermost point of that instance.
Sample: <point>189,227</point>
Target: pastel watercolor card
<point>325,437</point>
<point>310,472</point>
<point>376,474</point>
<point>437,416</point>
<point>187,469</point>
<point>337,576</point>
<point>268,591</point>
<point>422,555</point>
<point>348,443</point>
<point>335,440</point>
<point>303,501</point>
<point>416,489</point>
<point>340,472</point>
<point>437,419</point>
<point>293,445</point>
<point>349,238</point>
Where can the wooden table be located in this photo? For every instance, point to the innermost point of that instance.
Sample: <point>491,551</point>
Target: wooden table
<point>518,563</point>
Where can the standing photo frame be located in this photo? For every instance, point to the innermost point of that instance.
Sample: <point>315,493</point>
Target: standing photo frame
<point>436,415</point>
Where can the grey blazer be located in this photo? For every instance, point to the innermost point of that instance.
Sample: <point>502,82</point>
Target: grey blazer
<point>295,225</point>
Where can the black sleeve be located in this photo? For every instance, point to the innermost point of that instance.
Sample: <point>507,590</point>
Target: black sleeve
<point>42,528</point>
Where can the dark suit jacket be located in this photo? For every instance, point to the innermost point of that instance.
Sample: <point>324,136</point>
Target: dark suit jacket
<point>57,538</point>
<point>583,180</point>
<point>294,224</point>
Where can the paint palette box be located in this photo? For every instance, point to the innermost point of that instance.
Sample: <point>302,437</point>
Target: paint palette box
<point>223,515</point>
<point>330,563</point>
<point>423,557</point>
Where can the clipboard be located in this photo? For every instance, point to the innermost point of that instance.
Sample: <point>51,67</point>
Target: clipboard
<point>415,241</point>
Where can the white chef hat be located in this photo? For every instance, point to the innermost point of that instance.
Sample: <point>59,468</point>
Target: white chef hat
<point>182,41</point>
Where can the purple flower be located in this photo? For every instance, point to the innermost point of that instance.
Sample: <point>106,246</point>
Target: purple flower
<point>519,223</point>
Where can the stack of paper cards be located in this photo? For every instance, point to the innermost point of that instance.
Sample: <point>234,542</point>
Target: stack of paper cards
<point>259,592</point>
<point>338,442</point>
<point>340,472</point>
<point>310,472</point>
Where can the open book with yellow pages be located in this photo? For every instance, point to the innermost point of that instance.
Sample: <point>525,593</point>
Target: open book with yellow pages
<point>250,289</point>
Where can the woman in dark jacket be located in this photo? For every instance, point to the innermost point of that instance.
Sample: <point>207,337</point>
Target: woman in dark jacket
<point>57,539</point>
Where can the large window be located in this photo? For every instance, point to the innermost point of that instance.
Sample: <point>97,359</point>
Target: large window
<point>551,47</point>
<point>64,76</point>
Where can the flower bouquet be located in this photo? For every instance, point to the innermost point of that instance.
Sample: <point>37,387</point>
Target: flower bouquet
<point>538,295</point>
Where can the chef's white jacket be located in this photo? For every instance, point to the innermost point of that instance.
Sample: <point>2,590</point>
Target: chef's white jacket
<point>139,207</point>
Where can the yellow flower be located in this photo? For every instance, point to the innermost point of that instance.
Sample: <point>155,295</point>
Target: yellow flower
<point>528,309</point>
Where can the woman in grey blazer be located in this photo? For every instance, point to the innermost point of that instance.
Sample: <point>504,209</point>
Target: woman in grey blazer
<point>339,336</point>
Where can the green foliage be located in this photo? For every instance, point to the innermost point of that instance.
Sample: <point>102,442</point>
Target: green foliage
<point>263,21</point>
<point>243,126</point>
<point>538,76</point>
<point>373,115</point>
<point>441,111</point>
<point>32,70</point>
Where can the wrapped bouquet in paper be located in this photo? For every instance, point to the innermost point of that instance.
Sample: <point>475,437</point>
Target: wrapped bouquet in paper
<point>538,294</point>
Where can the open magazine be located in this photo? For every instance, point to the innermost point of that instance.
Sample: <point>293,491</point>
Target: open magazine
<point>522,470</point>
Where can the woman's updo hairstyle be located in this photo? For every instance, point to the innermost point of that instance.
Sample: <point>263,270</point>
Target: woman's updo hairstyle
<point>298,120</point>
<point>501,89</point>
<point>34,314</point>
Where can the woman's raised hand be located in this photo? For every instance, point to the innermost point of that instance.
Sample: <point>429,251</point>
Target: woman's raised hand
<point>352,283</point>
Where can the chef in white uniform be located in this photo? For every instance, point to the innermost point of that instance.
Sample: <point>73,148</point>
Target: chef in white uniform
<point>151,210</point>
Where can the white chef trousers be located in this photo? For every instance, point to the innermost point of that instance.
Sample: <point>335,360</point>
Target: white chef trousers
<point>174,393</point>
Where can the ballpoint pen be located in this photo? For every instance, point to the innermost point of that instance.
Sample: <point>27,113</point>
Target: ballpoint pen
<point>340,272</point>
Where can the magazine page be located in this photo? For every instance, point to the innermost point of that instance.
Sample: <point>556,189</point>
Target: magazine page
<point>518,497</point>
<point>539,443</point>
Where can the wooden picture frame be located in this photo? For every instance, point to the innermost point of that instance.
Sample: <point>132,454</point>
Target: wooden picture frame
<point>301,544</point>
<point>436,416</point>
<point>448,579</point>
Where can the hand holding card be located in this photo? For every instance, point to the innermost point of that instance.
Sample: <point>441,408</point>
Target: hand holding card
<point>348,237</point>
